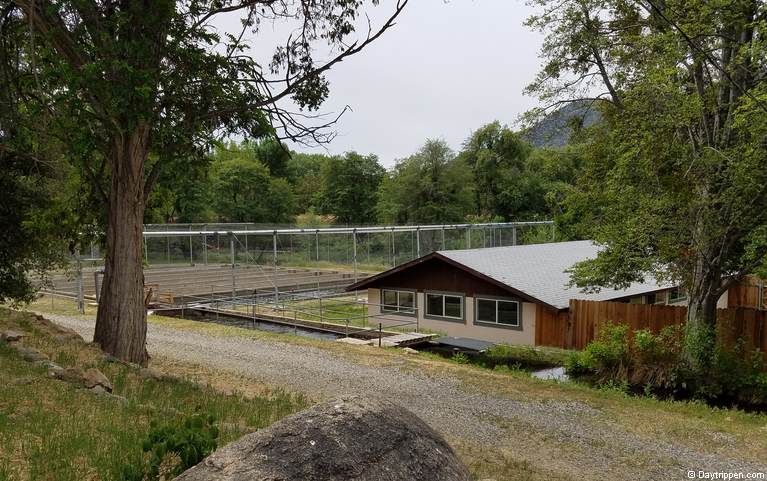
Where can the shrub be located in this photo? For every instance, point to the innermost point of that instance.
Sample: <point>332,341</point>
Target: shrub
<point>173,448</point>
<point>606,358</point>
<point>656,365</point>
<point>460,358</point>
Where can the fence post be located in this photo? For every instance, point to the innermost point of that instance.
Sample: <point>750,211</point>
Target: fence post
<point>380,334</point>
<point>80,292</point>
<point>205,249</point>
<point>418,242</point>
<point>274,267</point>
<point>231,251</point>
<point>514,235</point>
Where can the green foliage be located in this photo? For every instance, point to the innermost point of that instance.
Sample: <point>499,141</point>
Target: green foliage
<point>691,207</point>
<point>244,191</point>
<point>657,364</point>
<point>348,187</point>
<point>496,156</point>
<point>431,186</point>
<point>173,448</point>
<point>528,356</point>
<point>460,358</point>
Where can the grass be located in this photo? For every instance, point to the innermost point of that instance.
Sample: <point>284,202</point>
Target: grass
<point>523,453</point>
<point>52,430</point>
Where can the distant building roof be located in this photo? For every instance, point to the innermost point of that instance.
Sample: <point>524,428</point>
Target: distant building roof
<point>539,270</point>
<point>535,271</point>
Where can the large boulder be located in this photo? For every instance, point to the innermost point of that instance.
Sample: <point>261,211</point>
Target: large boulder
<point>352,438</point>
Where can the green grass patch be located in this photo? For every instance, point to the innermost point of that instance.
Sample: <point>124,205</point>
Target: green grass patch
<point>52,430</point>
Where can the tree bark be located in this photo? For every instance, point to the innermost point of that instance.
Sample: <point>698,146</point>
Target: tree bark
<point>700,335</point>
<point>121,318</point>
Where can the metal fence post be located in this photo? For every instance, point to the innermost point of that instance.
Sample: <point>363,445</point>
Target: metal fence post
<point>380,334</point>
<point>274,267</point>
<point>80,293</point>
<point>514,235</point>
<point>354,254</point>
<point>205,249</point>
<point>234,281</point>
<point>418,242</point>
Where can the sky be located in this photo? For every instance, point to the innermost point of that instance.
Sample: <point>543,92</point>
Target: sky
<point>446,69</point>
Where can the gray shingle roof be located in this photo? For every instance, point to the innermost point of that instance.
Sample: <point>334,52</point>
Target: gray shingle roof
<point>538,270</point>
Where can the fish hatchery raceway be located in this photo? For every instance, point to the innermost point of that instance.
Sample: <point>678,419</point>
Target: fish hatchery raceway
<point>539,428</point>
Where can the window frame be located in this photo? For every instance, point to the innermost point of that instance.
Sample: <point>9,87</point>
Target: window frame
<point>682,296</point>
<point>519,326</point>
<point>412,311</point>
<point>443,317</point>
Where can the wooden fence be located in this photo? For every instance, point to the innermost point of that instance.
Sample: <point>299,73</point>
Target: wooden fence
<point>748,293</point>
<point>575,328</point>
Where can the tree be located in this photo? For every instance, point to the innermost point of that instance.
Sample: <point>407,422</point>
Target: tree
<point>304,174</point>
<point>118,81</point>
<point>431,186</point>
<point>675,183</point>
<point>243,191</point>
<point>349,185</point>
<point>496,156</point>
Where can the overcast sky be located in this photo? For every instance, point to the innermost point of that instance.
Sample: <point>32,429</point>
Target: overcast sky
<point>446,68</point>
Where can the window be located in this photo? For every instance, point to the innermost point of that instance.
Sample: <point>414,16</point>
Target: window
<point>676,295</point>
<point>444,305</point>
<point>497,311</point>
<point>656,298</point>
<point>397,301</point>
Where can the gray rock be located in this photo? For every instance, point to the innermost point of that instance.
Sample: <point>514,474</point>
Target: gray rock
<point>101,391</point>
<point>71,375</point>
<point>93,377</point>
<point>23,381</point>
<point>31,355</point>
<point>87,379</point>
<point>11,336</point>
<point>353,438</point>
<point>53,368</point>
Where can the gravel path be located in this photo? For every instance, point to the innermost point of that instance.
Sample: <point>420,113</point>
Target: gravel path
<point>589,443</point>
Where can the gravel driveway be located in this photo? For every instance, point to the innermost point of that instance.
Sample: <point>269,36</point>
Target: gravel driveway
<point>581,437</point>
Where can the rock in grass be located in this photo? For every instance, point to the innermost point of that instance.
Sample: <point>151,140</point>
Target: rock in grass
<point>93,377</point>
<point>31,355</point>
<point>349,439</point>
<point>71,375</point>
<point>100,391</point>
<point>11,336</point>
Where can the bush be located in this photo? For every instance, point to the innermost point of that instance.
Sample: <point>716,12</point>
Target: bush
<point>656,365</point>
<point>606,358</point>
<point>173,448</point>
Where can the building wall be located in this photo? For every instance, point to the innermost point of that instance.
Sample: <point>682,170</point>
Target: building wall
<point>458,328</point>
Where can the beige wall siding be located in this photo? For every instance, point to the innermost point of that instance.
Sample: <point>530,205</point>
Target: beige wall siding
<point>456,328</point>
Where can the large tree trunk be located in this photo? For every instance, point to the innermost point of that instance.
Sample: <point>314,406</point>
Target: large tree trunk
<point>121,319</point>
<point>700,332</point>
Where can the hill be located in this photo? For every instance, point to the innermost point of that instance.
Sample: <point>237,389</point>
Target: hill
<point>556,129</point>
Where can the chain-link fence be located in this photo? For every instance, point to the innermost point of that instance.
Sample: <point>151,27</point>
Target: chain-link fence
<point>364,248</point>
